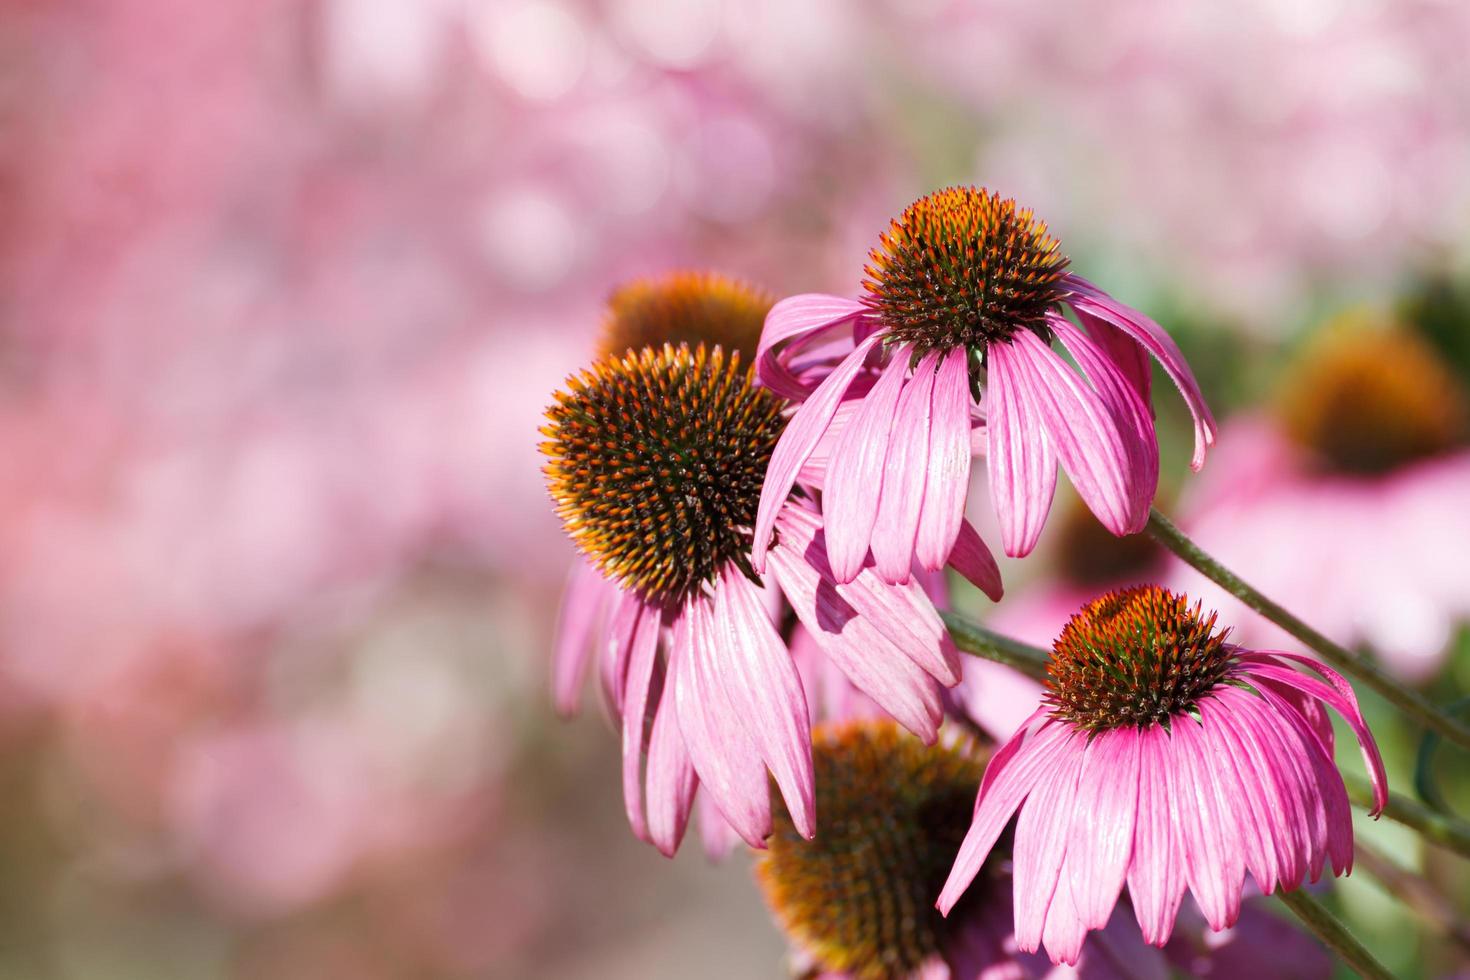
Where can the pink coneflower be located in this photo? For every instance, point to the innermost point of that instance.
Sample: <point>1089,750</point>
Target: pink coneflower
<point>1164,757</point>
<point>656,461</point>
<point>858,900</point>
<point>964,294</point>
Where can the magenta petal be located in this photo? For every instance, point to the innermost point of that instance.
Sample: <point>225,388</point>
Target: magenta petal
<point>947,482</point>
<point>802,434</point>
<point>1274,847</point>
<point>792,321</point>
<point>1091,443</point>
<point>974,561</point>
<point>1065,930</point>
<point>1156,872</point>
<point>1123,351</point>
<point>581,606</point>
<point>856,475</point>
<point>1102,831</point>
<point>671,779</point>
<point>905,470</point>
<point>1087,298</point>
<point>1020,458</point>
<point>1324,783</point>
<point>641,661</point>
<point>1009,778</point>
<point>1213,862</point>
<point>765,691</point>
<point>1042,838</point>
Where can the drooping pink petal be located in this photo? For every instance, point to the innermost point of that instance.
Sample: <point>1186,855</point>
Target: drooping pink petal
<point>1032,753</point>
<point>1087,298</point>
<point>728,764</point>
<point>581,608</point>
<point>671,779</point>
<point>869,660</point>
<point>1125,352</point>
<point>1244,788</point>
<point>1020,458</point>
<point>1102,835</point>
<point>856,474</point>
<point>1213,863</point>
<point>1064,931</point>
<point>1092,444</point>
<point>947,482</point>
<point>905,470</point>
<point>1042,838</point>
<point>791,321</point>
<point>718,837</point>
<point>972,559</point>
<point>765,690</point>
<point>617,642</point>
<point>641,660</point>
<point>1156,872</point>
<point>797,442</point>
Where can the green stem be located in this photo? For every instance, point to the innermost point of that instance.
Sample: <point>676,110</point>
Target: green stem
<point>1333,934</point>
<point>1410,702</point>
<point>975,639</point>
<point>1442,829</point>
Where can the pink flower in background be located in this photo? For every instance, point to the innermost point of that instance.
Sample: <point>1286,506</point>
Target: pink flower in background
<point>1166,758</point>
<point>964,286</point>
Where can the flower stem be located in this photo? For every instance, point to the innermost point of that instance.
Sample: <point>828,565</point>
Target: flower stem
<point>1439,828</point>
<point>1410,702</point>
<point>975,639</point>
<point>1333,934</point>
<point>1417,894</point>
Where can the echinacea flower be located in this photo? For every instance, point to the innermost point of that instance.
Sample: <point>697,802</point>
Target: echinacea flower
<point>686,306</point>
<point>1165,758</point>
<point>858,900</point>
<point>656,462</point>
<point>964,297</point>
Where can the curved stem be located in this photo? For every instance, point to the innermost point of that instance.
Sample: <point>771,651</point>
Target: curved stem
<point>975,639</point>
<point>1439,828</point>
<point>1411,703</point>
<point>1333,934</point>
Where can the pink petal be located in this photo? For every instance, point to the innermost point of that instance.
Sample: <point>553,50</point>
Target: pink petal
<point>1306,813</point>
<point>972,559</point>
<point>1087,298</point>
<point>715,832</point>
<point>1123,351</point>
<point>1091,443</point>
<point>802,434</point>
<point>905,470</point>
<point>1019,456</point>
<point>947,482</point>
<point>1213,863</point>
<point>856,473</point>
<point>765,691</point>
<point>671,779</point>
<point>1244,789</point>
<point>641,661</point>
<point>792,321</point>
<point>1065,930</point>
<point>617,642</point>
<point>1156,873</point>
<point>581,607</point>
<point>1102,832</point>
<point>1033,752</point>
<point>1042,838</point>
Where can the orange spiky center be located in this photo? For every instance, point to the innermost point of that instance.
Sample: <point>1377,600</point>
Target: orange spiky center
<point>859,897</point>
<point>655,462</point>
<point>686,308</point>
<point>963,268</point>
<point>1368,398</point>
<point>1136,657</point>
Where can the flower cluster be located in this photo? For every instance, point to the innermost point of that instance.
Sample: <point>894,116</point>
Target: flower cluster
<point>762,548</point>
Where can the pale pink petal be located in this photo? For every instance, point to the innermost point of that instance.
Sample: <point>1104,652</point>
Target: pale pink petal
<point>1213,863</point>
<point>1042,837</point>
<point>1102,831</point>
<point>581,607</point>
<point>856,474</point>
<point>797,442</point>
<point>1156,873</point>
<point>1091,442</point>
<point>641,661</point>
<point>617,644</point>
<point>765,690</point>
<point>715,832</point>
<point>947,482</point>
<point>1009,778</point>
<point>1087,298</point>
<point>972,559</point>
<point>792,320</point>
<point>897,524</point>
<point>1020,458</point>
<point>1064,931</point>
<point>671,779</point>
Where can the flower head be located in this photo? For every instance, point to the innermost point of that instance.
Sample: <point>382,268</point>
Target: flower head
<point>1166,758</point>
<point>965,296</point>
<point>686,307</point>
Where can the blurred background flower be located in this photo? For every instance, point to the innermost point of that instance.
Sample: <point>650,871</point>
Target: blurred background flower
<point>284,289</point>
